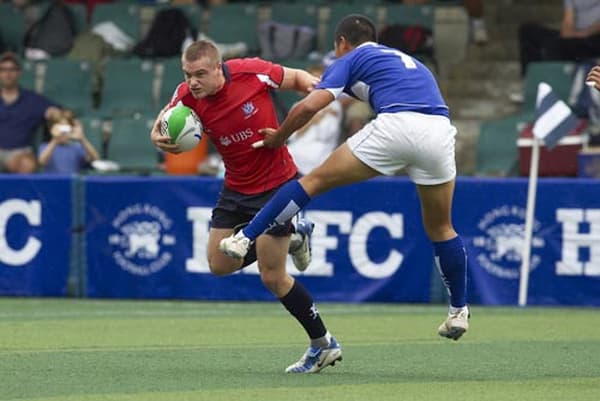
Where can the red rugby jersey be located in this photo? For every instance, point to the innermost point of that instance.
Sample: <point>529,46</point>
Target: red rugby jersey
<point>232,118</point>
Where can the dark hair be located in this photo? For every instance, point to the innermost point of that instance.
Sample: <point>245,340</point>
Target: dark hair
<point>12,57</point>
<point>357,29</point>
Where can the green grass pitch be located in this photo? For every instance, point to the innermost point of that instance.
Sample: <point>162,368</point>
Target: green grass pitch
<point>92,350</point>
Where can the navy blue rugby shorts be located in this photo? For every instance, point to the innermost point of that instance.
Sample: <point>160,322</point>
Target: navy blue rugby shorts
<point>235,210</point>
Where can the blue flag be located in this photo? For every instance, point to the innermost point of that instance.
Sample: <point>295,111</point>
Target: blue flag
<point>553,118</point>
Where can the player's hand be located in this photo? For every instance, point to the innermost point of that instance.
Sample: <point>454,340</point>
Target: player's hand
<point>593,77</point>
<point>161,141</point>
<point>77,132</point>
<point>271,139</point>
<point>313,81</point>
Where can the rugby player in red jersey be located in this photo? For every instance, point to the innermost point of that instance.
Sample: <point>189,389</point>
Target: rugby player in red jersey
<point>233,102</point>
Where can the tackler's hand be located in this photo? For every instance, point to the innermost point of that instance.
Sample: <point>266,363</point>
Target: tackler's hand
<point>271,139</point>
<point>593,77</point>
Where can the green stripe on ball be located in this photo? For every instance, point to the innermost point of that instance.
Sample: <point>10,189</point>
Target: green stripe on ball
<point>177,120</point>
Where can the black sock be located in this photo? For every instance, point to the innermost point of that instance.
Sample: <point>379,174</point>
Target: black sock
<point>250,256</point>
<point>300,304</point>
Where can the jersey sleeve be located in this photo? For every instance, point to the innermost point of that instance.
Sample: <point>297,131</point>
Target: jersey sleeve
<point>180,92</point>
<point>335,77</point>
<point>270,74</point>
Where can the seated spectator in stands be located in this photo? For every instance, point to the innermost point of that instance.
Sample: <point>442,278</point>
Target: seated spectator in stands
<point>68,150</point>
<point>315,141</point>
<point>578,38</point>
<point>21,112</point>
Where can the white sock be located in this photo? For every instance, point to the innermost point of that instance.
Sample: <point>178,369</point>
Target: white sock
<point>454,310</point>
<point>321,342</point>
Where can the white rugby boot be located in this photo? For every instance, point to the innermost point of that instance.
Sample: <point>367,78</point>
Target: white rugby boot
<point>316,359</point>
<point>456,324</point>
<point>300,244</point>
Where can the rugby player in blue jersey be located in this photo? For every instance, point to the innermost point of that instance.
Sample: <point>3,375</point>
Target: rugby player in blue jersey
<point>411,131</point>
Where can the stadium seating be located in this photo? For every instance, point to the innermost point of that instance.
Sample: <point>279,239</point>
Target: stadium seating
<point>123,14</point>
<point>407,15</point>
<point>79,12</point>
<point>69,83</point>
<point>171,77</point>
<point>557,74</point>
<point>193,12</point>
<point>234,22</point>
<point>28,76</point>
<point>128,87</point>
<point>12,27</point>
<point>497,153</point>
<point>295,13</point>
<point>130,146</point>
<point>93,129</point>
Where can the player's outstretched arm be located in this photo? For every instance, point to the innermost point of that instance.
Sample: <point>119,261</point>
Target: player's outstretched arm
<point>163,142</point>
<point>299,115</point>
<point>298,80</point>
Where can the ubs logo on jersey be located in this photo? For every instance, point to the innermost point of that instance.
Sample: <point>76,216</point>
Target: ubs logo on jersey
<point>141,239</point>
<point>236,137</point>
<point>249,110</point>
<point>500,246</point>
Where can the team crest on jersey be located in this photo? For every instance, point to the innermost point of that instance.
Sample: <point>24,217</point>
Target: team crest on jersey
<point>249,109</point>
<point>500,245</point>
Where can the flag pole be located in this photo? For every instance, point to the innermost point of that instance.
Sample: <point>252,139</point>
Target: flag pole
<point>531,192</point>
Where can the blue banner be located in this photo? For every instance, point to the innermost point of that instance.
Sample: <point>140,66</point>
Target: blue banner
<point>565,252</point>
<point>35,234</point>
<point>147,238</point>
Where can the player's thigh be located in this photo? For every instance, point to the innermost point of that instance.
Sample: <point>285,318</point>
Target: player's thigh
<point>436,209</point>
<point>217,260</point>
<point>342,167</point>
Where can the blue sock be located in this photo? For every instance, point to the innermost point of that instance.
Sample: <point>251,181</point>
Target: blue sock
<point>281,207</point>
<point>451,261</point>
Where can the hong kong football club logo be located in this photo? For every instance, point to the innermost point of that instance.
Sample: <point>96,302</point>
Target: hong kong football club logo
<point>249,109</point>
<point>499,248</point>
<point>142,239</point>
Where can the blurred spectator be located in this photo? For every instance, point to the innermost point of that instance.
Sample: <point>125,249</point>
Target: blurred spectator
<point>21,112</point>
<point>68,150</point>
<point>313,143</point>
<point>578,38</point>
<point>474,8</point>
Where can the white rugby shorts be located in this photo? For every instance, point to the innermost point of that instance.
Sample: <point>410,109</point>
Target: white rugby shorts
<point>422,143</point>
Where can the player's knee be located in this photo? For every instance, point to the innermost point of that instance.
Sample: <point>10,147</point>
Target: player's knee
<point>272,280</point>
<point>218,268</point>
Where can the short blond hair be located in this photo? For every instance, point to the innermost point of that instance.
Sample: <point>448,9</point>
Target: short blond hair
<point>202,48</point>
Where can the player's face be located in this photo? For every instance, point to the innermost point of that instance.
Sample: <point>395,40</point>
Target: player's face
<point>9,74</point>
<point>203,76</point>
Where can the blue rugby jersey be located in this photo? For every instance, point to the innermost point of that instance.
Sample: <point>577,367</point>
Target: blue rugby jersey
<point>388,79</point>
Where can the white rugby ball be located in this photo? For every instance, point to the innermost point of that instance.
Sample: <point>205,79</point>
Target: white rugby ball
<point>183,126</point>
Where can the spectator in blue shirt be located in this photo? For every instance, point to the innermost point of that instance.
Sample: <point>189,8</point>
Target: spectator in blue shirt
<point>21,112</point>
<point>68,150</point>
